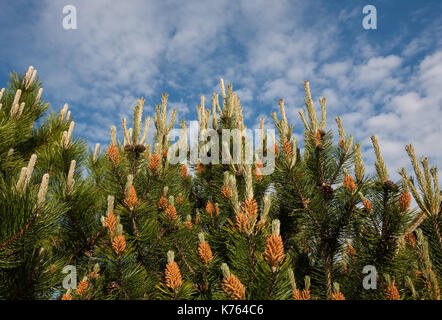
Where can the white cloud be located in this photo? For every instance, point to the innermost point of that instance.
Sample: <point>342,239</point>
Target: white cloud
<point>181,107</point>
<point>336,69</point>
<point>123,51</point>
<point>411,114</point>
<point>377,69</point>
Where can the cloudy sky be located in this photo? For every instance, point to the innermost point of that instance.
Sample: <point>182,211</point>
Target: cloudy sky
<point>385,81</point>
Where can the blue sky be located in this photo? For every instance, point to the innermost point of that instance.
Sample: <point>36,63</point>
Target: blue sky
<point>385,82</point>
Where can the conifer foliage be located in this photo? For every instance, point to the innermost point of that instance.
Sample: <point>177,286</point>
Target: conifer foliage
<point>136,224</point>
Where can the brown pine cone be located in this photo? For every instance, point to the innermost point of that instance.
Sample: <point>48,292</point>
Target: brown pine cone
<point>327,190</point>
<point>129,147</point>
<point>113,287</point>
<point>139,148</point>
<point>390,185</point>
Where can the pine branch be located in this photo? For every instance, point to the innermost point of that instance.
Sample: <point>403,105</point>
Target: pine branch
<point>19,234</point>
<point>87,246</point>
<point>184,258</point>
<point>304,203</point>
<point>416,223</point>
<point>338,168</point>
<point>120,280</point>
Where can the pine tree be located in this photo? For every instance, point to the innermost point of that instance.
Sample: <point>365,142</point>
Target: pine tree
<point>319,212</point>
<point>424,232</point>
<point>35,156</point>
<point>152,212</point>
<point>377,231</point>
<point>141,221</point>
